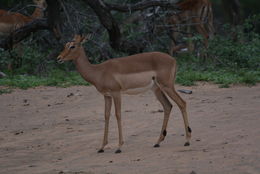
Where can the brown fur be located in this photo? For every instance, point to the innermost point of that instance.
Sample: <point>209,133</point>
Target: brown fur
<point>10,21</point>
<point>187,4</point>
<point>198,12</point>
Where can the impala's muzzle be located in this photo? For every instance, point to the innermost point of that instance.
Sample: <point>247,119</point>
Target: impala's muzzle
<point>60,59</point>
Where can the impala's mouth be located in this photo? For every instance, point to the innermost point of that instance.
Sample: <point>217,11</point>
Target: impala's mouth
<point>59,60</point>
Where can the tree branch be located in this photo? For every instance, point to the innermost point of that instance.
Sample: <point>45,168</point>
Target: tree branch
<point>115,37</point>
<point>51,23</point>
<point>23,32</point>
<point>142,5</point>
<point>54,17</point>
<point>117,41</point>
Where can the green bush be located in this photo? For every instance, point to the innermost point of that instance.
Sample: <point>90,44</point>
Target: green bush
<point>233,57</point>
<point>59,78</point>
<point>30,60</point>
<point>237,47</point>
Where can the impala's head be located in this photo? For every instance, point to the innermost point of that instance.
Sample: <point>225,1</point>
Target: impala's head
<point>72,49</point>
<point>40,3</point>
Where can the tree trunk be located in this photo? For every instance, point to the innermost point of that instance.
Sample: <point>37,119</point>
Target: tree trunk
<point>117,42</point>
<point>54,18</point>
<point>233,10</point>
<point>23,32</point>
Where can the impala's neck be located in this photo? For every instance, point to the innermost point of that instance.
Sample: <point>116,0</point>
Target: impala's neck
<point>84,67</point>
<point>38,12</point>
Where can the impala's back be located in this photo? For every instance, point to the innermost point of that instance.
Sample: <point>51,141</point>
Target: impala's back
<point>140,72</point>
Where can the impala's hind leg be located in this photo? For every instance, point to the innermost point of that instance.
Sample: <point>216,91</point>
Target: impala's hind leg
<point>170,91</point>
<point>167,106</point>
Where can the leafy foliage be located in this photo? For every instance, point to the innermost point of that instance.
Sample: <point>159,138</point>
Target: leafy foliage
<point>233,54</point>
<point>55,78</point>
<point>233,57</point>
<point>237,48</point>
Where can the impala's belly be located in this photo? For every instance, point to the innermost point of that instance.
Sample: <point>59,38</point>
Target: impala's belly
<point>134,91</point>
<point>135,83</point>
<point>5,29</point>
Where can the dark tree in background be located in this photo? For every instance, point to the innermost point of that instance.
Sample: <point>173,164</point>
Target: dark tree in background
<point>106,13</point>
<point>118,27</point>
<point>116,39</point>
<point>233,10</point>
<point>52,23</point>
<point>54,16</point>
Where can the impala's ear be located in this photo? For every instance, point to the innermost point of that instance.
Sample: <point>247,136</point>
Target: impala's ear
<point>85,38</point>
<point>39,2</point>
<point>77,38</point>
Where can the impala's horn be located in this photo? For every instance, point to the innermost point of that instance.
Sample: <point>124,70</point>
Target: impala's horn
<point>84,35</point>
<point>89,36</point>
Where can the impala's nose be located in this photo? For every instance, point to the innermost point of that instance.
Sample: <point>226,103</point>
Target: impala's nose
<point>59,59</point>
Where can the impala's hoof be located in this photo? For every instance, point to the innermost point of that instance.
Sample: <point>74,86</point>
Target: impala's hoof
<point>118,151</point>
<point>187,144</point>
<point>101,151</point>
<point>156,145</point>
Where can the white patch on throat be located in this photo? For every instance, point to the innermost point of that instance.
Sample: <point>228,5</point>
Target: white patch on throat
<point>5,29</point>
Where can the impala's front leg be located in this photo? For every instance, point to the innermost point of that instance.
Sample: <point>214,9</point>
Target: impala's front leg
<point>108,103</point>
<point>117,102</point>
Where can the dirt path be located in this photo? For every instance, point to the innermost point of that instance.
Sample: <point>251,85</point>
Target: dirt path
<point>51,130</point>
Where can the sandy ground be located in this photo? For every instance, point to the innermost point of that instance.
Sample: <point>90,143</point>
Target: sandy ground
<point>50,130</point>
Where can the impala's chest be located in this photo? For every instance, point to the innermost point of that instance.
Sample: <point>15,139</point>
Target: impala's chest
<point>135,83</point>
<point>6,28</point>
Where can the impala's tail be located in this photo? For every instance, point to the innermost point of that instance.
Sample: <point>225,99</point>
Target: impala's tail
<point>174,70</point>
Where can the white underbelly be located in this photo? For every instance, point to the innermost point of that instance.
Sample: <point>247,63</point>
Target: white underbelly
<point>134,91</point>
<point>135,81</point>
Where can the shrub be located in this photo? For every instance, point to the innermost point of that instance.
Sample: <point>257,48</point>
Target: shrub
<point>238,47</point>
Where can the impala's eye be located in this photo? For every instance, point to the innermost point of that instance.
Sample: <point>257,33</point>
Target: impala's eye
<point>72,47</point>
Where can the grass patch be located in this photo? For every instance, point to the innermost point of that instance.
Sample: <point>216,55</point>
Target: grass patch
<point>190,70</point>
<point>222,77</point>
<point>5,91</point>
<point>55,78</point>
<point>185,76</point>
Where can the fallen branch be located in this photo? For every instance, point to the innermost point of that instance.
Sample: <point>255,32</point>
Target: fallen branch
<point>185,91</point>
<point>142,5</point>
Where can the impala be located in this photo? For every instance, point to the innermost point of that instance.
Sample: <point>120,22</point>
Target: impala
<point>129,75</point>
<point>10,21</point>
<point>196,13</point>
